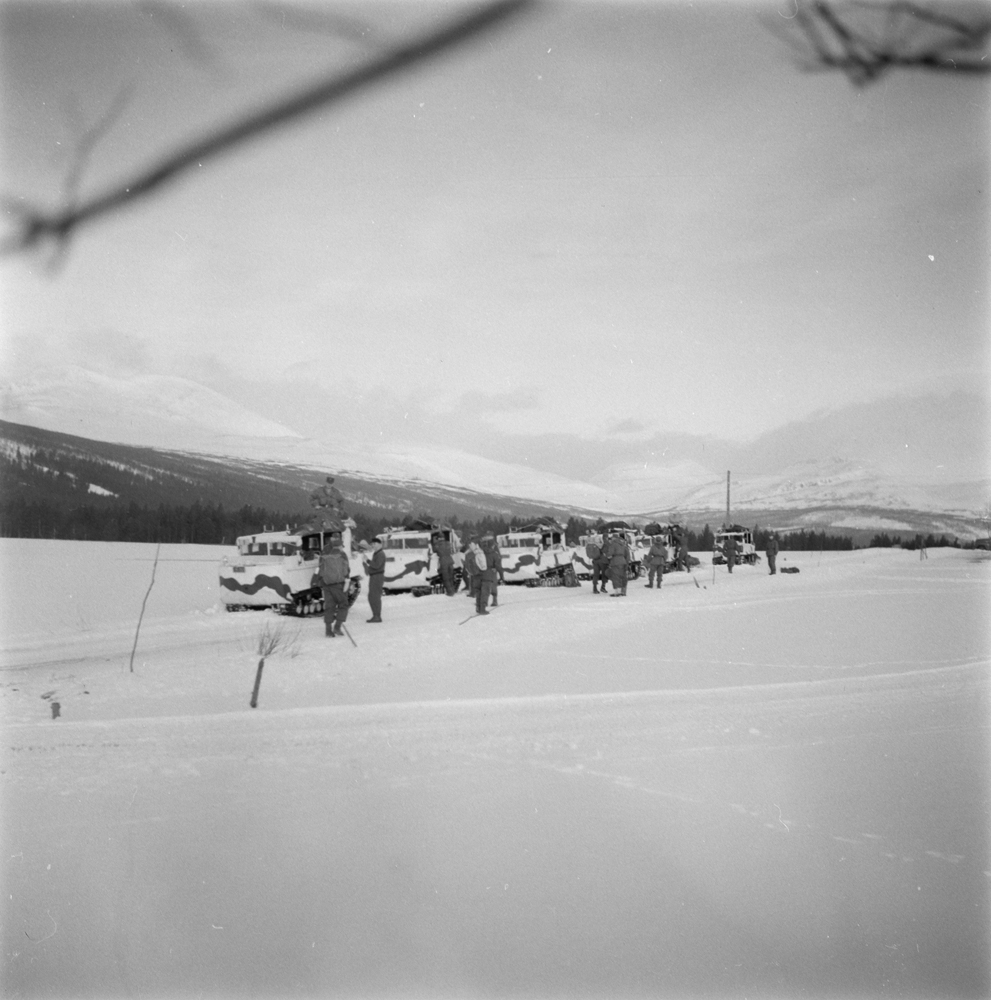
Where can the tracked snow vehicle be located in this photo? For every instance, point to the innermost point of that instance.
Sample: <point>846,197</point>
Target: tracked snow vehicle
<point>582,562</point>
<point>275,569</point>
<point>411,564</point>
<point>746,552</point>
<point>537,555</point>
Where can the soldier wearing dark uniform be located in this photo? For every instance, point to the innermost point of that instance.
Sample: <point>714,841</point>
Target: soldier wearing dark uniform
<point>656,559</point>
<point>594,552</point>
<point>328,498</point>
<point>480,588</point>
<point>376,577</point>
<point>445,562</point>
<point>772,552</point>
<point>730,551</point>
<point>618,554</point>
<point>469,569</point>
<point>335,571</point>
<point>493,567</point>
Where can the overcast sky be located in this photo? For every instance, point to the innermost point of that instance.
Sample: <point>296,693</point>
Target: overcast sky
<point>608,222</point>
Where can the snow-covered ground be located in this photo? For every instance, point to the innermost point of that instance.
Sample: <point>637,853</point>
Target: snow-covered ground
<point>738,785</point>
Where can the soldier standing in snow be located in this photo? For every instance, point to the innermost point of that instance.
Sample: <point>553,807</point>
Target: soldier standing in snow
<point>469,569</point>
<point>729,550</point>
<point>618,554</point>
<point>604,564</point>
<point>656,559</point>
<point>493,567</point>
<point>480,585</point>
<point>445,562</point>
<point>335,571</point>
<point>594,552</point>
<point>376,577</point>
<point>772,552</point>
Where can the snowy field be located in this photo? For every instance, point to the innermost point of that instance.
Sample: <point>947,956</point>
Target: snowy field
<point>737,786</point>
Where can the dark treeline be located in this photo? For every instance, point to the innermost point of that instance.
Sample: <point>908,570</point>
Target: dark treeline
<point>214,524</point>
<point>197,523</point>
<point>930,541</point>
<point>804,541</point>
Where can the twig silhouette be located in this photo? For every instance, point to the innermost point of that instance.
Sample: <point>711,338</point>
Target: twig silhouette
<point>865,39</point>
<point>35,225</point>
<point>270,640</point>
<point>137,631</point>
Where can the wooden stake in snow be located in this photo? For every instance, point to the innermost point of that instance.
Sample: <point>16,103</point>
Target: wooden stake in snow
<point>143,603</point>
<point>268,642</point>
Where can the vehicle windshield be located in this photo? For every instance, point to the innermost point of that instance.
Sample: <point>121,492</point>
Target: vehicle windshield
<point>407,543</point>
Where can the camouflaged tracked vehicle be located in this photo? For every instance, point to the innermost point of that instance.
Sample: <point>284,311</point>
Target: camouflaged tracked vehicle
<point>275,569</point>
<point>538,555</point>
<point>411,564</point>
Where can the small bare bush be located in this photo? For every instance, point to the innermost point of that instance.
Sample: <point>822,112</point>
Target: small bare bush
<point>274,638</point>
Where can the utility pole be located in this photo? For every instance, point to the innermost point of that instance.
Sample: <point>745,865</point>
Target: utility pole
<point>727,498</point>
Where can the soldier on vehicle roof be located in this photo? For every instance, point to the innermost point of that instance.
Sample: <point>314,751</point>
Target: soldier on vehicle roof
<point>327,497</point>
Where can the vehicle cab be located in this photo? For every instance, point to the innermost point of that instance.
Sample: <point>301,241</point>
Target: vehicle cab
<point>411,564</point>
<point>746,552</point>
<point>536,552</point>
<point>275,569</point>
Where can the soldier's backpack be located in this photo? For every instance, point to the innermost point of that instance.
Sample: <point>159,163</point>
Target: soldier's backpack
<point>334,567</point>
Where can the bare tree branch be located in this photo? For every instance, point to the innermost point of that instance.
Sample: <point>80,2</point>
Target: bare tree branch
<point>866,38</point>
<point>319,21</point>
<point>36,225</point>
<point>89,141</point>
<point>181,29</point>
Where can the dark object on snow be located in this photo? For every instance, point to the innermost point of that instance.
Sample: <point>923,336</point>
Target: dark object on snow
<point>258,683</point>
<point>790,569</point>
<point>56,709</point>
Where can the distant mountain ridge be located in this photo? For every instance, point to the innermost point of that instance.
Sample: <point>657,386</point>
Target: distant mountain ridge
<point>67,470</point>
<point>902,444</point>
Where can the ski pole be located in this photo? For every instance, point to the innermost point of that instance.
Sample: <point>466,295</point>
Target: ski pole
<point>469,618</point>
<point>348,634</point>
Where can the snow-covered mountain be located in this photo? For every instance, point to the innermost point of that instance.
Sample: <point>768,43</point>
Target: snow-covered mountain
<point>176,414</point>
<point>151,410</point>
<point>835,483</point>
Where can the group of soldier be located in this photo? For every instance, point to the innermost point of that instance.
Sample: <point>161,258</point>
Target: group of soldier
<point>481,568</point>
<point>611,560</point>
<point>482,571</point>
